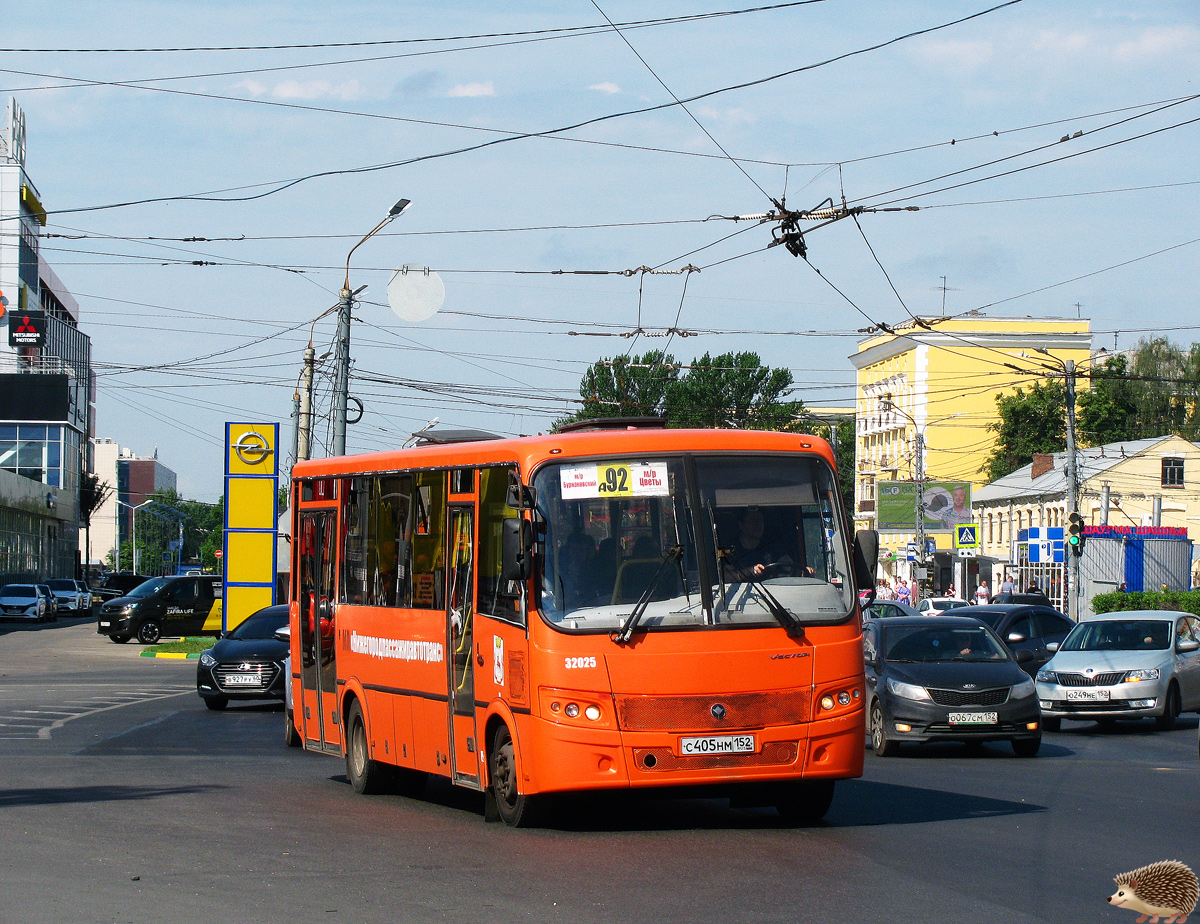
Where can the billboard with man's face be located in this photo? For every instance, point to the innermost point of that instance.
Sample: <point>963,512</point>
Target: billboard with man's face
<point>945,504</point>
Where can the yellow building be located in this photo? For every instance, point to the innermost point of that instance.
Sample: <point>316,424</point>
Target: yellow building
<point>940,377</point>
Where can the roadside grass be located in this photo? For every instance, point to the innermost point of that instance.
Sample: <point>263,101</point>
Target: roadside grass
<point>186,646</point>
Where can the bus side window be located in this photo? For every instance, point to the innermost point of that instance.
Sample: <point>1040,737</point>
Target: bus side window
<point>425,540</point>
<point>495,598</point>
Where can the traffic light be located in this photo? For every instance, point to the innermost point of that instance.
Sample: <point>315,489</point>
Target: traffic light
<point>1075,537</point>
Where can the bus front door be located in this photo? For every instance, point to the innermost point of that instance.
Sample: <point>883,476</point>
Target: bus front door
<point>460,632</point>
<point>318,666</point>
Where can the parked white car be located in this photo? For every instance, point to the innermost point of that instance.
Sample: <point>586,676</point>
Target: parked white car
<point>937,606</point>
<point>1123,665</point>
<point>23,601</point>
<point>72,596</point>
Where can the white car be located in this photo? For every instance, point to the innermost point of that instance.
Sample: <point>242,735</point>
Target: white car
<point>72,596</point>
<point>23,601</point>
<point>937,606</point>
<point>1123,665</point>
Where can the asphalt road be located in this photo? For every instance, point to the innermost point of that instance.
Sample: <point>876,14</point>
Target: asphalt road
<point>125,800</point>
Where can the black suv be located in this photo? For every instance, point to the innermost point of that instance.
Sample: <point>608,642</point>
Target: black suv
<point>174,606</point>
<point>118,584</point>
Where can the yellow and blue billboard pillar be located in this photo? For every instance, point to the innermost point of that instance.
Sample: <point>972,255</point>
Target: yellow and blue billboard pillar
<point>251,498</point>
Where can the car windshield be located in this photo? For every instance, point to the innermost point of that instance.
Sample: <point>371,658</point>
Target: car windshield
<point>18,590</point>
<point>716,541</point>
<point>951,604</point>
<point>991,617</point>
<point>1119,635</point>
<point>261,625</point>
<point>61,584</point>
<point>923,644</point>
<point>148,588</point>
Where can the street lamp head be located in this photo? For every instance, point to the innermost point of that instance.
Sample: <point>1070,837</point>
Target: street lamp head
<point>399,208</point>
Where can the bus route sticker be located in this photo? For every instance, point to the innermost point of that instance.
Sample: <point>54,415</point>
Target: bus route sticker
<point>614,479</point>
<point>498,660</point>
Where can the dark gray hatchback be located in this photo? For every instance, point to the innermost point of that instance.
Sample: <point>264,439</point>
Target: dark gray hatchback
<point>946,678</point>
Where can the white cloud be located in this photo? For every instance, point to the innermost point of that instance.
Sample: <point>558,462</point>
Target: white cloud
<point>606,87</point>
<point>1157,43</point>
<point>473,89</point>
<point>307,89</point>
<point>729,116</point>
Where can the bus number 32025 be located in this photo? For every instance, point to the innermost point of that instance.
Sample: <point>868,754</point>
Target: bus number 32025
<point>580,662</point>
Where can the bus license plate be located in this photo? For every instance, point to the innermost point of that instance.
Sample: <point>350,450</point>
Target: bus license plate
<point>973,718</point>
<point>242,680</point>
<point>717,744</point>
<point>1088,696</point>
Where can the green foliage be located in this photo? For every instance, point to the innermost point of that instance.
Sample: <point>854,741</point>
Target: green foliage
<point>1030,422</point>
<point>92,494</point>
<point>1184,601</point>
<point>1108,411</point>
<point>731,390</point>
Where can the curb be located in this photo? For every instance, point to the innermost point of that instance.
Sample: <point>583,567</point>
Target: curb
<point>177,655</point>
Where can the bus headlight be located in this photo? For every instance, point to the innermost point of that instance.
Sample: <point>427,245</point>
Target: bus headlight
<point>574,707</point>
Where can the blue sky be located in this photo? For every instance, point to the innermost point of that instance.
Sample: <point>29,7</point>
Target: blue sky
<point>507,351</point>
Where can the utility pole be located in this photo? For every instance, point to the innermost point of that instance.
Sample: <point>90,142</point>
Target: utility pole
<point>341,384</point>
<point>304,418</point>
<point>1073,584</point>
<point>919,511</point>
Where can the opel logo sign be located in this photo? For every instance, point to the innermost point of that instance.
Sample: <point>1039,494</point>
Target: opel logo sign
<point>252,447</point>
<point>718,711</point>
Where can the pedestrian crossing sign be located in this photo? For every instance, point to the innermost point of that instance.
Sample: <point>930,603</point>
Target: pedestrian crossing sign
<point>966,536</point>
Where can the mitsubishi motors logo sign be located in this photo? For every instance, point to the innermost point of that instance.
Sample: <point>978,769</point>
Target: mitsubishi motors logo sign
<point>27,328</point>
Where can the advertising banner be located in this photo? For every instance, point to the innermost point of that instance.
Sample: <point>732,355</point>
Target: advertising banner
<point>251,497</point>
<point>945,504</point>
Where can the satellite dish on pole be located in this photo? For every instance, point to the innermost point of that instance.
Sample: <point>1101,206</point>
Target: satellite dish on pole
<point>415,292</point>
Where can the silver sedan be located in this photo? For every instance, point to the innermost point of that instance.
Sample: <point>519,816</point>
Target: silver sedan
<point>1124,665</point>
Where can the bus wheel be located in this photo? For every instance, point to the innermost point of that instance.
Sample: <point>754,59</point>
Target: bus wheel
<point>291,737</point>
<point>516,809</point>
<point>805,803</point>
<point>367,776</point>
<point>149,632</point>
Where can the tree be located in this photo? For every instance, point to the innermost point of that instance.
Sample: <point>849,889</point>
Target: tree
<point>1030,422</point>
<point>1108,410</point>
<point>732,390</point>
<point>625,386</point>
<point>92,494</point>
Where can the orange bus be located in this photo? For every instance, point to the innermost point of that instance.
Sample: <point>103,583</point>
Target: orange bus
<point>607,608</point>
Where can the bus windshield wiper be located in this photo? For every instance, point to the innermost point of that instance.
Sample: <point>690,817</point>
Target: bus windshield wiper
<point>625,633</point>
<point>790,623</point>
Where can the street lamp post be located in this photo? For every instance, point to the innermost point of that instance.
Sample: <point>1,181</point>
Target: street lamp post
<point>341,386</point>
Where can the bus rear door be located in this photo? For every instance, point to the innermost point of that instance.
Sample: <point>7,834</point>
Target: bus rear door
<point>318,668</point>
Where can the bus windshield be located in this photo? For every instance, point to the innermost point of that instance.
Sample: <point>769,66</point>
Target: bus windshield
<point>691,542</point>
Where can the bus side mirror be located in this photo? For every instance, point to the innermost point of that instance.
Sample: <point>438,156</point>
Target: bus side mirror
<point>516,550</point>
<point>866,556</point>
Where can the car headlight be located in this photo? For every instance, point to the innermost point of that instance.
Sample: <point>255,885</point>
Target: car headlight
<point>909,691</point>
<point>128,609</point>
<point>1023,689</point>
<point>1047,677</point>
<point>1149,673</point>
<point>206,659</point>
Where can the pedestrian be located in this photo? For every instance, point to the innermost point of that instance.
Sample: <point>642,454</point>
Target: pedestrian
<point>903,593</point>
<point>981,593</point>
<point>1006,586</point>
<point>1122,588</point>
<point>1033,588</point>
<point>884,590</point>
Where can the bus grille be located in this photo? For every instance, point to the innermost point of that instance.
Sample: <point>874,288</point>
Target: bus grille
<point>774,753</point>
<point>696,713</point>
